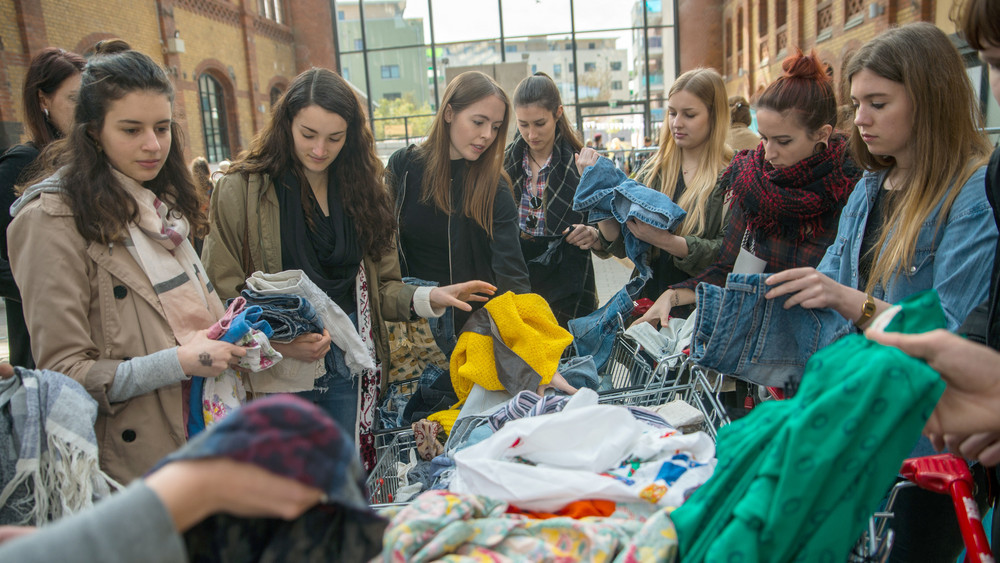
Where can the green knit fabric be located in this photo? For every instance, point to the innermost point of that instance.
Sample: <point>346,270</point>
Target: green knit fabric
<point>798,479</point>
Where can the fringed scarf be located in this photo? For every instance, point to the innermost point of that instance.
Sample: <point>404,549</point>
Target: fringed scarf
<point>797,201</point>
<point>51,438</point>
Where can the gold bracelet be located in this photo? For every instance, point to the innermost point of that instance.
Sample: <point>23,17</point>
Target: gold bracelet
<point>867,312</point>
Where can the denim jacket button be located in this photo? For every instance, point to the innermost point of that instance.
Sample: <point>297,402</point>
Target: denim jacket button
<point>913,269</point>
<point>120,291</point>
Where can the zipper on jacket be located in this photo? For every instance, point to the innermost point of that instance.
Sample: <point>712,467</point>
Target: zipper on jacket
<point>451,274</point>
<point>401,193</point>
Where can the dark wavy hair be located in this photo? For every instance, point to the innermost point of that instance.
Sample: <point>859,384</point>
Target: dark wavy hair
<point>46,73</point>
<point>803,89</point>
<point>101,207</point>
<point>357,170</point>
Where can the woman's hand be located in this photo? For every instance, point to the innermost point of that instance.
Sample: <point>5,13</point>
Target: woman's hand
<point>659,314</point>
<point>8,533</point>
<point>204,357</point>
<point>308,347</point>
<point>583,236</point>
<point>457,295</point>
<point>192,490</point>
<point>586,157</point>
<point>660,238</point>
<point>812,290</point>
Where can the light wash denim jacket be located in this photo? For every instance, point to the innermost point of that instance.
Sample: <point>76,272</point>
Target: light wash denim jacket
<point>956,259</point>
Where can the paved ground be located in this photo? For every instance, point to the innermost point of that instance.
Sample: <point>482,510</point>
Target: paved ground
<point>611,276</point>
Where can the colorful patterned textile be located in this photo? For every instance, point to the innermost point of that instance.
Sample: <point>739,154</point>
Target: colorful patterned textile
<point>370,380</point>
<point>444,526</point>
<point>293,438</point>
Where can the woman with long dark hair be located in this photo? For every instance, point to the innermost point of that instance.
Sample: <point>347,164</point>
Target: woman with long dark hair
<point>114,295</point>
<point>541,163</point>
<point>308,195</point>
<point>49,100</point>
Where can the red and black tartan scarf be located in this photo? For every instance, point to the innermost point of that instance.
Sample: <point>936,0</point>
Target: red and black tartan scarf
<point>794,201</point>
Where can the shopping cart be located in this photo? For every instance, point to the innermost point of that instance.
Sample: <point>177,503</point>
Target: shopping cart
<point>392,448</point>
<point>637,379</point>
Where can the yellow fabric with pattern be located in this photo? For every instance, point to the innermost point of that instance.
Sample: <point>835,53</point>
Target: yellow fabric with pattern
<point>528,327</point>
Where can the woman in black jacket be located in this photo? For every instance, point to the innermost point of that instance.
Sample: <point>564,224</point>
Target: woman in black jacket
<point>454,209</point>
<point>49,100</point>
<point>541,163</point>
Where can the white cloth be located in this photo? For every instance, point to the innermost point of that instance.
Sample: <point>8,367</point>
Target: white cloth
<point>342,331</point>
<point>670,340</point>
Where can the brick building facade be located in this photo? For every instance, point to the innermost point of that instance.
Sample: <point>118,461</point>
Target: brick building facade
<point>758,34</point>
<point>234,56</point>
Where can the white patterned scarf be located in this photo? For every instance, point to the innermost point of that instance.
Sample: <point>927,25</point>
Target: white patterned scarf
<point>159,243</point>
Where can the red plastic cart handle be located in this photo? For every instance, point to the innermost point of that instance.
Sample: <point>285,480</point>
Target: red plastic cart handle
<point>949,474</point>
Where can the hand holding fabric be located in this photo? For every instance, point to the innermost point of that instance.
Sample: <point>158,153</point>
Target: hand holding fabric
<point>309,347</point>
<point>971,401</point>
<point>659,313</point>
<point>586,157</point>
<point>583,236</point>
<point>192,490</point>
<point>459,294</point>
<point>813,290</point>
<point>204,357</point>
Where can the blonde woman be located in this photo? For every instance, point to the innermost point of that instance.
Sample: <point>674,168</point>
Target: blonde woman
<point>691,156</point>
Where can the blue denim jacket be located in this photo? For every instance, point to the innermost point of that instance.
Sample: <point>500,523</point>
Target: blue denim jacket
<point>606,192</point>
<point>955,259</point>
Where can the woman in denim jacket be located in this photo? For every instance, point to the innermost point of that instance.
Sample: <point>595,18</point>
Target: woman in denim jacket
<point>692,154</point>
<point>919,219</point>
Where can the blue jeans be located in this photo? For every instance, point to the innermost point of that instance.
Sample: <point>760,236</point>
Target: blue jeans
<point>336,391</point>
<point>740,333</point>
<point>594,334</point>
<point>443,327</point>
<point>289,315</point>
<point>606,192</point>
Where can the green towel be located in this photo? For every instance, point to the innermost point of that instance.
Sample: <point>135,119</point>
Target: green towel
<point>798,479</point>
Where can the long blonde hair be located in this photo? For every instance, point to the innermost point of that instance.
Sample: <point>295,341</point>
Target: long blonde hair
<point>946,140</point>
<point>664,167</point>
<point>485,172</point>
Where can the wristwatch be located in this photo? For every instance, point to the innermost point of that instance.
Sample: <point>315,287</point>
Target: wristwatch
<point>867,312</point>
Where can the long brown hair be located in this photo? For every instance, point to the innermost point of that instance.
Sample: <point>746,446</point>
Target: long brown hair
<point>484,173</point>
<point>46,73</point>
<point>102,209</point>
<point>946,140</point>
<point>541,90</point>
<point>357,170</point>
<point>665,165</point>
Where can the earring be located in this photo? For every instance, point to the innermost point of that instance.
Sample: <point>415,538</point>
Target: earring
<point>820,147</point>
<point>46,112</point>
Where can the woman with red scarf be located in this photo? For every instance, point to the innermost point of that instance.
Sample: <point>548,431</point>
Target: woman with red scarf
<point>786,195</point>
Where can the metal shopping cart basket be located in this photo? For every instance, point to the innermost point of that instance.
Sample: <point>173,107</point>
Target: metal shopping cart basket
<point>636,379</point>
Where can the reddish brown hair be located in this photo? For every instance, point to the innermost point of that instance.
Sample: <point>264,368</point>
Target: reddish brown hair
<point>46,73</point>
<point>804,89</point>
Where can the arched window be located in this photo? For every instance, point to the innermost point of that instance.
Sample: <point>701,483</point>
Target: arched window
<point>762,18</point>
<point>213,118</point>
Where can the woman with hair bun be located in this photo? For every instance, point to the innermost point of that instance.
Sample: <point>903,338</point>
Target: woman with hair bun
<point>740,137</point>
<point>788,193</point>
<point>541,164</point>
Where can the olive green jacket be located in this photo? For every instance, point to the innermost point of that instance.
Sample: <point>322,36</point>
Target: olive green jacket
<point>247,207</point>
